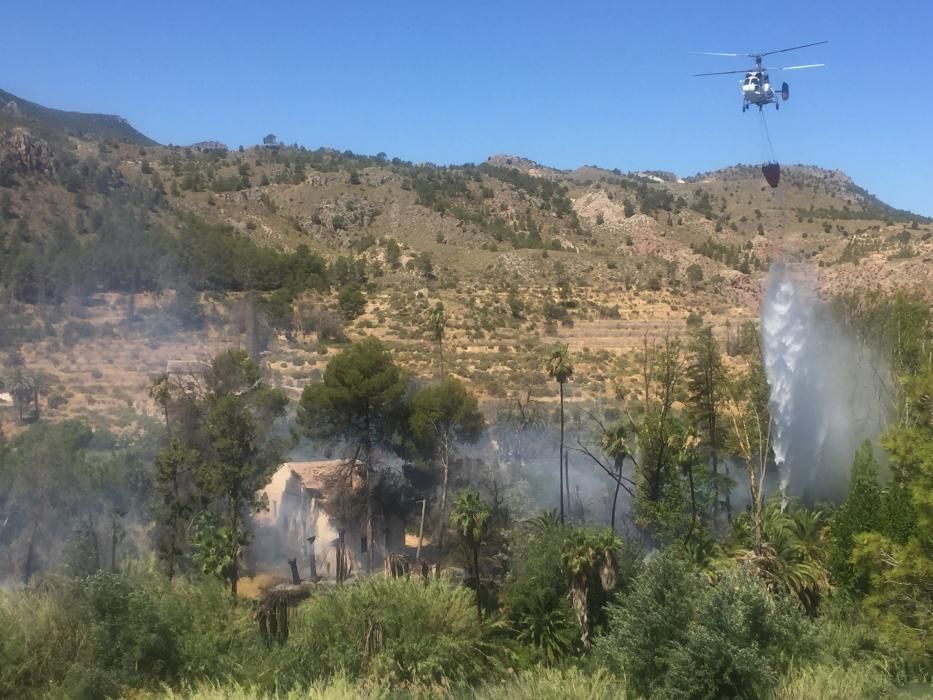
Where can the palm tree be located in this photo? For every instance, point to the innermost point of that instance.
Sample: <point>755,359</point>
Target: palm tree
<point>615,445</point>
<point>24,391</point>
<point>438,326</point>
<point>560,367</point>
<point>35,395</point>
<point>792,553</point>
<point>472,521</point>
<point>613,441</point>
<point>160,391</point>
<point>589,557</point>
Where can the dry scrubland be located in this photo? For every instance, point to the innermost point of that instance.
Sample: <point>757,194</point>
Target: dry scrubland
<point>98,366</point>
<point>594,258</point>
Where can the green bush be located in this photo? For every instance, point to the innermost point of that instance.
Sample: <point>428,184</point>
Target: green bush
<point>738,643</point>
<point>186,308</point>
<point>103,634</point>
<point>393,630</point>
<point>74,331</point>
<point>534,594</point>
<point>645,626</point>
<point>351,301</point>
<point>676,636</point>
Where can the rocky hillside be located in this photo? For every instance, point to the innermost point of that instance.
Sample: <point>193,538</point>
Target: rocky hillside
<point>118,255</point>
<point>15,109</point>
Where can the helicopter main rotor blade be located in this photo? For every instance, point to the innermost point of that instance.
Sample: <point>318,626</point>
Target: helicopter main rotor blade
<point>793,48</point>
<point>716,53</point>
<point>809,65</point>
<point>722,72</point>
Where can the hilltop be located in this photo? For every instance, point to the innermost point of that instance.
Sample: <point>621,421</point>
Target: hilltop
<point>16,110</point>
<point>120,255</point>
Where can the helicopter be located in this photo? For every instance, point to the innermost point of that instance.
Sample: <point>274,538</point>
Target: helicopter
<point>756,86</point>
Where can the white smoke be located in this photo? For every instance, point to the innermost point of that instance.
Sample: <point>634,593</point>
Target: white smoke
<point>826,388</point>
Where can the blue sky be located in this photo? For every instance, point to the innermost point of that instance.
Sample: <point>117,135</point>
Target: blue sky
<point>563,83</point>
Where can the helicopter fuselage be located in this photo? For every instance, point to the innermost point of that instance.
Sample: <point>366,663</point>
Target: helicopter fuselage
<point>757,90</point>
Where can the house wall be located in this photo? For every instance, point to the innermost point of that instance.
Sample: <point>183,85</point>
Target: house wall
<point>296,513</point>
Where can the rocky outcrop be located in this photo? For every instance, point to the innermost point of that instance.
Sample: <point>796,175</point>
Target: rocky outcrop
<point>21,153</point>
<point>346,212</point>
<point>526,165</point>
<point>11,109</point>
<point>209,147</point>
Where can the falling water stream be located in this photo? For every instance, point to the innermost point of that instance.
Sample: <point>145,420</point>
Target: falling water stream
<point>825,390</point>
<point>786,328</point>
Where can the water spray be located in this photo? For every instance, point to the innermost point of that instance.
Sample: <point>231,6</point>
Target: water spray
<point>823,384</point>
<point>785,327</point>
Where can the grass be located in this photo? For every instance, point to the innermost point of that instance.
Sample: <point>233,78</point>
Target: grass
<point>534,684</point>
<point>865,681</point>
<point>818,682</point>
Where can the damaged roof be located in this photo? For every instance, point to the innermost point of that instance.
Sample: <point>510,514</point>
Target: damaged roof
<point>320,474</point>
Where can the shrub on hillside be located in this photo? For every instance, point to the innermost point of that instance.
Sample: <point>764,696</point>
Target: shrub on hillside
<point>351,301</point>
<point>186,308</point>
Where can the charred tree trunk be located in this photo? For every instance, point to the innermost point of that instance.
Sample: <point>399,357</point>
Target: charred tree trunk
<point>560,455</point>
<point>312,561</point>
<point>113,544</point>
<point>370,555</point>
<point>293,565</point>
<point>693,505</point>
<point>445,485</point>
<point>252,328</point>
<point>567,483</point>
<point>30,554</point>
<point>173,520</point>
<point>615,497</point>
<point>424,503</point>
<point>234,571</point>
<point>579,600</point>
<point>342,559</point>
<point>725,468</point>
<point>92,533</point>
<point>479,607</point>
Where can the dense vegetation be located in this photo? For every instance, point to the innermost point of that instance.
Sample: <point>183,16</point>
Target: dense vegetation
<point>133,255</point>
<point>124,546</point>
<point>123,552</point>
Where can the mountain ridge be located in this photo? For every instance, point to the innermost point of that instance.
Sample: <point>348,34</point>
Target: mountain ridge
<point>72,122</point>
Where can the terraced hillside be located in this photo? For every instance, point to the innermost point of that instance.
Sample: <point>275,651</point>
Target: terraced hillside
<point>120,255</point>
